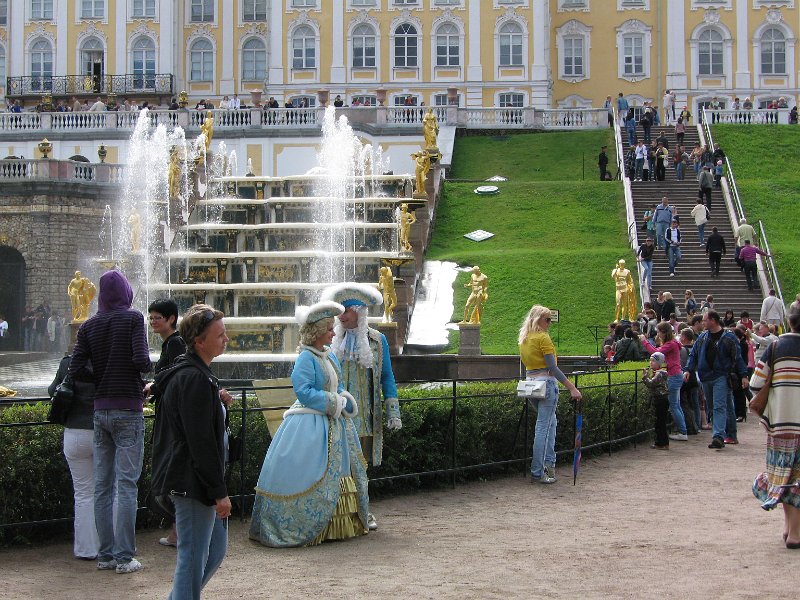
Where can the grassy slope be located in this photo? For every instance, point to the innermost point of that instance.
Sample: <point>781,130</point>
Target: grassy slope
<point>764,160</point>
<point>556,237</point>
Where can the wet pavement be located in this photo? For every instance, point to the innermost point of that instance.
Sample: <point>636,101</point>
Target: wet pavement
<point>30,379</point>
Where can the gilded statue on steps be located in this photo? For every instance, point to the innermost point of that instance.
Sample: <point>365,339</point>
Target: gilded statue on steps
<point>625,292</point>
<point>423,162</point>
<point>386,286</point>
<point>174,172</point>
<point>479,284</point>
<point>405,220</point>
<point>81,292</point>
<point>430,130</point>
<point>207,128</point>
<point>135,224</point>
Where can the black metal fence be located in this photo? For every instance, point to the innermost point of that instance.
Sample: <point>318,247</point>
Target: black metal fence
<point>463,426</point>
<point>68,85</point>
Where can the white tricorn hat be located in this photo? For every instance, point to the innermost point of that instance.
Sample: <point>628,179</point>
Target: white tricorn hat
<point>353,294</point>
<point>316,312</point>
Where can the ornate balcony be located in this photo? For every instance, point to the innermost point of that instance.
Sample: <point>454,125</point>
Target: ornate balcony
<point>159,84</point>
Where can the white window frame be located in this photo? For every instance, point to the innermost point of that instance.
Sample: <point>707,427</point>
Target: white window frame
<point>405,2</point>
<point>416,37</point>
<point>504,97</point>
<point>516,39</point>
<point>43,75</point>
<point>244,51</point>
<point>145,74</point>
<point>2,67</point>
<point>727,56</point>
<point>768,80</point>
<point>144,13</point>
<point>511,3</point>
<point>356,4</point>
<point>574,5</point>
<point>302,4</point>
<point>454,33</point>
<point>395,100</point>
<point>714,48</point>
<point>203,4</point>
<point>314,38</point>
<point>441,99</point>
<point>354,36</point>
<point>366,100</point>
<point>3,21</point>
<point>89,9</point>
<point>773,3</point>
<point>633,5</point>
<point>204,77</point>
<point>569,30</point>
<point>630,28</point>
<point>705,4</point>
<point>45,7</point>
<point>253,5</point>
<point>447,3</point>
<point>772,43</point>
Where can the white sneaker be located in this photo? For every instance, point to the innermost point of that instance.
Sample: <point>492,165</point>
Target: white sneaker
<point>131,566</point>
<point>680,437</point>
<point>372,524</point>
<point>550,471</point>
<point>107,565</point>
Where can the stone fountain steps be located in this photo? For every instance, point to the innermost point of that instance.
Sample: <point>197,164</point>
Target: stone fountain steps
<point>289,227</point>
<point>286,254</point>
<point>388,201</point>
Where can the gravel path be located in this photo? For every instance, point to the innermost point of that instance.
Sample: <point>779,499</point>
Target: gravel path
<point>639,524</point>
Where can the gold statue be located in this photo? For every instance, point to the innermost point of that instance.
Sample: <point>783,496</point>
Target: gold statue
<point>479,284</point>
<point>386,285</point>
<point>135,223</point>
<point>174,172</point>
<point>207,129</point>
<point>625,294</point>
<point>81,292</point>
<point>423,160</point>
<point>430,129</point>
<point>405,220</point>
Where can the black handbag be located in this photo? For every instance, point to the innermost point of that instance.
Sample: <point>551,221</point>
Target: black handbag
<point>61,402</point>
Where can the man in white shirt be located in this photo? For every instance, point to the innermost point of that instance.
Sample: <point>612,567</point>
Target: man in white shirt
<point>763,337</point>
<point>3,331</point>
<point>668,102</point>
<point>772,310</point>
<point>236,103</point>
<point>98,106</point>
<point>641,155</point>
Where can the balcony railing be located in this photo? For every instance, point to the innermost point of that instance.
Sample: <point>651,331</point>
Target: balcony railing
<point>28,170</point>
<point>77,85</point>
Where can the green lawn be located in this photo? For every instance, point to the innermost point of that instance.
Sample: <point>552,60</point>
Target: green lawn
<point>557,238</point>
<point>765,163</point>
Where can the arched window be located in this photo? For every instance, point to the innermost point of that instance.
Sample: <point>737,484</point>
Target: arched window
<point>143,55</point>
<point>510,45</point>
<point>406,51</point>
<point>448,48</point>
<point>304,48</point>
<point>41,59</point>
<point>363,46</point>
<point>254,60</point>
<point>202,61</point>
<point>773,52</point>
<point>710,53</point>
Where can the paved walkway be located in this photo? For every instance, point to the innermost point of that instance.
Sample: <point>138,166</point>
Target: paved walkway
<point>30,379</point>
<point>639,524</point>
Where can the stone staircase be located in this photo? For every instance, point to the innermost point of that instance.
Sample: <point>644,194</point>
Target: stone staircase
<point>693,272</point>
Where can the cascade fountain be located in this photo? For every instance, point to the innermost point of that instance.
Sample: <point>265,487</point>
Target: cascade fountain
<point>253,247</point>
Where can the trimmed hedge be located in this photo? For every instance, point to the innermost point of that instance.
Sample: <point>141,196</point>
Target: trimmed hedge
<point>35,484</point>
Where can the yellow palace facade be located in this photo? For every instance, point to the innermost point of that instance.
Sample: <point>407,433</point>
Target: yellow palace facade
<point>540,53</point>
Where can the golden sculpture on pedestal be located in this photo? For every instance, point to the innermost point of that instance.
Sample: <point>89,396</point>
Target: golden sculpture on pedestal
<point>405,220</point>
<point>423,161</point>
<point>174,172</point>
<point>81,292</point>
<point>207,129</point>
<point>479,284</point>
<point>625,293</point>
<point>386,286</point>
<point>430,130</point>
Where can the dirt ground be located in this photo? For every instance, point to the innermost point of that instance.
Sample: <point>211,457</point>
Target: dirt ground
<point>639,524</point>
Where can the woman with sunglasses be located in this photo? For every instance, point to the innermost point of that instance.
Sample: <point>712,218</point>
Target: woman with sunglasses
<point>538,354</point>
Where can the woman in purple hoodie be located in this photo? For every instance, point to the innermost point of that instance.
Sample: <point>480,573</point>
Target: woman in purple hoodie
<point>113,341</point>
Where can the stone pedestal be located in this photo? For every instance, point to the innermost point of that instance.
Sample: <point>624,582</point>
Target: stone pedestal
<point>470,339</point>
<point>390,330</point>
<point>73,334</point>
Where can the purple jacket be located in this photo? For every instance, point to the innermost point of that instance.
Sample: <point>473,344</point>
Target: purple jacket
<point>114,342</point>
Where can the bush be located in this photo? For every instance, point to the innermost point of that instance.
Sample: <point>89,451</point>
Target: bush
<point>35,483</point>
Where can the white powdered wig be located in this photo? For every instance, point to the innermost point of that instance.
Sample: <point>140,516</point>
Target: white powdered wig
<point>353,344</point>
<point>316,312</point>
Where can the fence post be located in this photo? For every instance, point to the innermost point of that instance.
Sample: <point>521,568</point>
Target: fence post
<point>608,409</point>
<point>243,462</point>
<point>453,440</point>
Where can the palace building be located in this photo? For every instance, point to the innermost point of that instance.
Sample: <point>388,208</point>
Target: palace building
<point>504,53</point>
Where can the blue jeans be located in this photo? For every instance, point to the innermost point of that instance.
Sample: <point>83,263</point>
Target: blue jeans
<point>544,440</point>
<point>693,395</point>
<point>674,383</point>
<point>674,256</point>
<point>661,229</point>
<point>118,453</point>
<point>639,167</point>
<point>679,171</point>
<point>647,267</point>
<point>701,231</point>
<point>720,396</point>
<point>202,543</point>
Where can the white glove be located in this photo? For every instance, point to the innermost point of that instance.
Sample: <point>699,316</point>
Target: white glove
<point>351,402</point>
<point>340,402</point>
<point>394,423</point>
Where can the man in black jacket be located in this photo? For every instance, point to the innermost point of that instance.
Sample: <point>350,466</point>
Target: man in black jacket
<point>715,249</point>
<point>189,451</point>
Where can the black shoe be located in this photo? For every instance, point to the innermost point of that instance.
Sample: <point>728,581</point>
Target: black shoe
<point>716,444</point>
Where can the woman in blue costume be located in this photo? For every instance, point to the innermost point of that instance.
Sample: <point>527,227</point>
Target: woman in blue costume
<point>313,484</point>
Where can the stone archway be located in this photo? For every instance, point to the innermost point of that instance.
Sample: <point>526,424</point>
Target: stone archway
<point>12,295</point>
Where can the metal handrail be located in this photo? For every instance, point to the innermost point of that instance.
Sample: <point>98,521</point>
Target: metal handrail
<point>770,271</point>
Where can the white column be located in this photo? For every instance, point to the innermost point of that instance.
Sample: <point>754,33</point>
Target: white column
<point>676,46</point>
<point>227,83</point>
<point>473,54</point>
<point>276,43</point>
<point>338,41</point>
<point>60,66</point>
<point>742,46</point>
<point>15,46</point>
<point>167,61</point>
<point>540,77</point>
<point>120,41</point>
